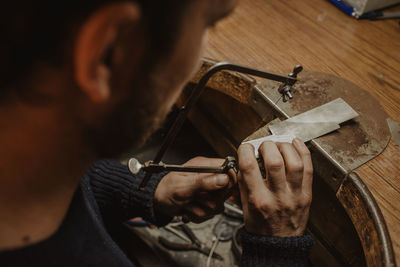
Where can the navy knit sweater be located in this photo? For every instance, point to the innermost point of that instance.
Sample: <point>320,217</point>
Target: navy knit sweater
<point>108,189</point>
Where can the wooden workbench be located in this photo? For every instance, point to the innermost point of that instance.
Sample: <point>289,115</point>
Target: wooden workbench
<point>275,35</point>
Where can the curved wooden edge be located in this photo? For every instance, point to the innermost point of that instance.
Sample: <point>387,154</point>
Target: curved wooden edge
<point>368,221</point>
<point>236,85</point>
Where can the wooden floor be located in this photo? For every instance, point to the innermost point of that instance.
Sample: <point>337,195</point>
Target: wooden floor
<point>275,35</point>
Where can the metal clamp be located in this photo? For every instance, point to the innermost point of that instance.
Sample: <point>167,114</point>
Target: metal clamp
<point>286,90</point>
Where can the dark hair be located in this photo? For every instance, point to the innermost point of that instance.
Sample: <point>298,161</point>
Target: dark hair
<point>34,31</point>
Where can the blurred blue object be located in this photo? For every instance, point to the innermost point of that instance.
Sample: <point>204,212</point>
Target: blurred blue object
<point>344,7</point>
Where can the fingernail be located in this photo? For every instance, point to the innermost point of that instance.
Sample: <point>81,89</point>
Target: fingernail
<point>222,180</point>
<point>297,140</point>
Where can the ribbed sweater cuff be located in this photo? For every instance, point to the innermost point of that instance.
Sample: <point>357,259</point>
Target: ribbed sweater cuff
<point>116,188</point>
<point>274,251</point>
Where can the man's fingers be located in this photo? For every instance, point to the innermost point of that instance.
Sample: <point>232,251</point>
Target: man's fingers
<point>250,177</point>
<point>197,214</point>
<point>232,178</point>
<point>305,155</point>
<point>209,182</point>
<point>203,161</point>
<point>211,206</point>
<point>203,182</point>
<point>274,166</point>
<point>293,164</point>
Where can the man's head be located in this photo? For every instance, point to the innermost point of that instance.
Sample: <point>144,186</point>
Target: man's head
<point>110,69</point>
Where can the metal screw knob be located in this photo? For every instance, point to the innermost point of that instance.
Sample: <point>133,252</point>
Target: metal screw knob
<point>296,71</point>
<point>286,93</point>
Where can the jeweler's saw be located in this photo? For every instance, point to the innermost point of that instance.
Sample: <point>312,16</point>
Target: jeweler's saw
<point>355,142</point>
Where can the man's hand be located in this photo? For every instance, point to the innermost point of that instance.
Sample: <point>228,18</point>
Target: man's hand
<point>278,205</point>
<point>195,196</point>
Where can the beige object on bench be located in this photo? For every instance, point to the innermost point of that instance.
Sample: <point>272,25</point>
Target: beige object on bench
<point>364,6</point>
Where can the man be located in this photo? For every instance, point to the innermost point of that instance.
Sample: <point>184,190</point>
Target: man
<point>85,80</point>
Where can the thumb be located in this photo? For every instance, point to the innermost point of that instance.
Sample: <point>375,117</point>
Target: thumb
<point>205,183</point>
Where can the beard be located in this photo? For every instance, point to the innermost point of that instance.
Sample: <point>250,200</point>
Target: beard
<point>131,123</point>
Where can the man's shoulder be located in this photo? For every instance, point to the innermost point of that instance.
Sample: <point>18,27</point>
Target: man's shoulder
<point>81,240</point>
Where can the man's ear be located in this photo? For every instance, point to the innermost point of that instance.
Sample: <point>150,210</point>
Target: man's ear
<point>95,39</point>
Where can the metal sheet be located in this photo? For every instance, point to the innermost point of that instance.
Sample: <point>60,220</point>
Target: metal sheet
<point>316,122</point>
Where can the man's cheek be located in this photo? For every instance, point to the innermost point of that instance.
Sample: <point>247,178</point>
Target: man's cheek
<point>199,54</point>
<point>204,43</point>
<point>191,53</point>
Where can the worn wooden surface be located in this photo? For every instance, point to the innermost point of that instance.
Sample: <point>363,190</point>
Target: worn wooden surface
<point>277,34</point>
